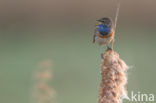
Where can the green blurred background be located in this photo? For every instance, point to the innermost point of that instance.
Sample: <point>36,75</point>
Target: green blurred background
<point>32,31</point>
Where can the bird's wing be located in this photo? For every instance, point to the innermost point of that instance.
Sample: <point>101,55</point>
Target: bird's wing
<point>95,31</point>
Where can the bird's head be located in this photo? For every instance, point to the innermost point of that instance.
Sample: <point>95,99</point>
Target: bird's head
<point>106,21</point>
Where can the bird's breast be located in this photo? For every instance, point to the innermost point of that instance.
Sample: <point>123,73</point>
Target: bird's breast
<point>111,34</point>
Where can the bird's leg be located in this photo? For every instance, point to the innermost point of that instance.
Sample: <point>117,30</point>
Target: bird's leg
<point>109,48</point>
<point>112,44</point>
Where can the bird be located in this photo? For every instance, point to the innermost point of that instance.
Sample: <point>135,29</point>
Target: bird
<point>104,32</point>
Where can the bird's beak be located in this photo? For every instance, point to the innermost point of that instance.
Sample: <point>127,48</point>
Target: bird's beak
<point>98,23</point>
<point>97,20</point>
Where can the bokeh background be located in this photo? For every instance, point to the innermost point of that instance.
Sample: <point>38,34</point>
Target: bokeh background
<point>32,31</point>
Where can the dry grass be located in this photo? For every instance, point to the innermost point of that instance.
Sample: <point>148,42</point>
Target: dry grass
<point>113,73</point>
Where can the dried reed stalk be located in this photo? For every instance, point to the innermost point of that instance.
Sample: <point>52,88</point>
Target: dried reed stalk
<point>113,72</point>
<point>42,91</point>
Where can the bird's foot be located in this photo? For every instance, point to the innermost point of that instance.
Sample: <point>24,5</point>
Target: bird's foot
<point>109,48</point>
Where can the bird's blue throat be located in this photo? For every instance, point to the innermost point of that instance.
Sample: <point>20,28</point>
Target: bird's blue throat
<point>103,30</point>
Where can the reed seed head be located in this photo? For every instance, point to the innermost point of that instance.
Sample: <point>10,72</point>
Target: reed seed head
<point>113,81</point>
